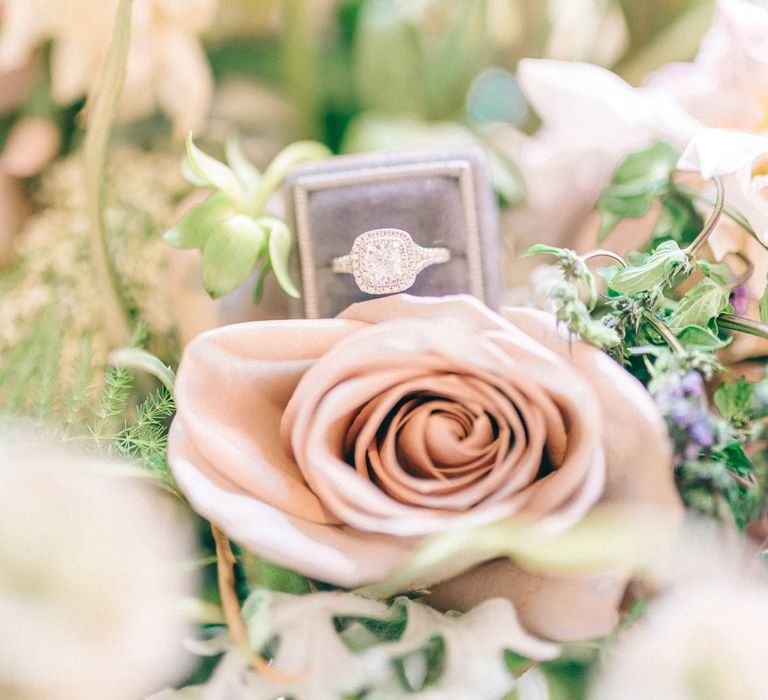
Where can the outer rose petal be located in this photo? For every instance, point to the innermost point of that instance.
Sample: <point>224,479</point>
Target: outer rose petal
<point>230,393</point>
<point>639,472</point>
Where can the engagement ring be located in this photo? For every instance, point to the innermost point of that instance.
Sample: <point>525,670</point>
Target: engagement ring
<point>386,260</point>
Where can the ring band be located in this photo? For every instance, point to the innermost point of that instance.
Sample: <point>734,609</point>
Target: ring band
<point>386,260</point>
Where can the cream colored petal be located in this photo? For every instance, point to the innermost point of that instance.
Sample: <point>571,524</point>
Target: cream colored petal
<point>183,81</point>
<point>75,66</point>
<point>25,25</point>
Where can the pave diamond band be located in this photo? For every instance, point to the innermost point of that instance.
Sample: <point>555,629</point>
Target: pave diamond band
<point>386,260</point>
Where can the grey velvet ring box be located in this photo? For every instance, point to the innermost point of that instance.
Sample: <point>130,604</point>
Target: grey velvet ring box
<point>442,198</point>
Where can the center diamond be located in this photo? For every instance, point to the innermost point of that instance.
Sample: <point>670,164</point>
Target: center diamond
<point>382,261</point>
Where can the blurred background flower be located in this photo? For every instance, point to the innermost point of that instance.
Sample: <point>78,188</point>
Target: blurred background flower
<point>92,576</point>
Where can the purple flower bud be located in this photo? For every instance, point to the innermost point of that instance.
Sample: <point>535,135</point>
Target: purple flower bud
<point>701,434</point>
<point>740,299</point>
<point>693,384</point>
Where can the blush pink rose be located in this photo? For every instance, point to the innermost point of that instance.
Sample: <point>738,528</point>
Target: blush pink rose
<point>336,447</point>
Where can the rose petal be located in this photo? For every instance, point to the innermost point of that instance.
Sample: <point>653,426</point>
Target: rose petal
<point>638,471</point>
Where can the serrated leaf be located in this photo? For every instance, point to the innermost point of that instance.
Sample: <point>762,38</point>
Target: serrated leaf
<point>762,306</point>
<point>702,303</point>
<point>698,338</point>
<point>230,254</point>
<point>280,253</point>
<point>663,264</point>
<point>193,230</point>
<point>213,172</point>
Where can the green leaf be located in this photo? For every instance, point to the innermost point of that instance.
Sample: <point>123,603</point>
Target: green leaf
<point>276,578</point>
<point>719,272</point>
<point>258,289</point>
<point>230,254</point>
<point>701,304</point>
<point>542,249</point>
<point>197,224</point>
<point>698,338</point>
<point>734,401</point>
<point>360,633</point>
<point>606,538</point>
<point>659,268</point>
<point>609,220</point>
<point>280,253</point>
<point>213,172</point>
<point>641,177</point>
<point>679,221</point>
<point>762,306</point>
<point>290,156</point>
<point>653,164</point>
<point>136,358</point>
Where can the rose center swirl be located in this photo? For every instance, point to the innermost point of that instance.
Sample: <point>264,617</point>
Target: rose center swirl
<point>449,449</point>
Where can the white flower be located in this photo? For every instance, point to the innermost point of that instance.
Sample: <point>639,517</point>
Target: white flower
<point>727,84</point>
<point>314,661</point>
<point>167,67</point>
<point>90,577</point>
<point>741,160</point>
<point>591,119</point>
<point>707,637</point>
<point>704,641</point>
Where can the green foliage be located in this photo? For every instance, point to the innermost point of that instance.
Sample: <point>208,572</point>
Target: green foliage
<point>734,401</point>
<point>763,306</point>
<point>360,633</point>
<point>643,176</point>
<point>700,306</point>
<point>229,226</point>
<point>271,577</point>
<point>658,269</point>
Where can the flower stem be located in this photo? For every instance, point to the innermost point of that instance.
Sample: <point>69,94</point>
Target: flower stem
<point>300,64</point>
<point>732,214</point>
<point>711,222</point>
<point>230,605</point>
<point>743,325</point>
<point>604,253</point>
<point>102,109</point>
<point>663,330</point>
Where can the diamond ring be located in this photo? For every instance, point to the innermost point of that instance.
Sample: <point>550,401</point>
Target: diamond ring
<point>386,260</point>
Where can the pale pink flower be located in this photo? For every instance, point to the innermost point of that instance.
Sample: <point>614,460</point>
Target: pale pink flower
<point>727,84</point>
<point>591,119</point>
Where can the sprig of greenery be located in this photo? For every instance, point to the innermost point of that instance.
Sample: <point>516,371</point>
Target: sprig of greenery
<point>667,326</point>
<point>230,226</point>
